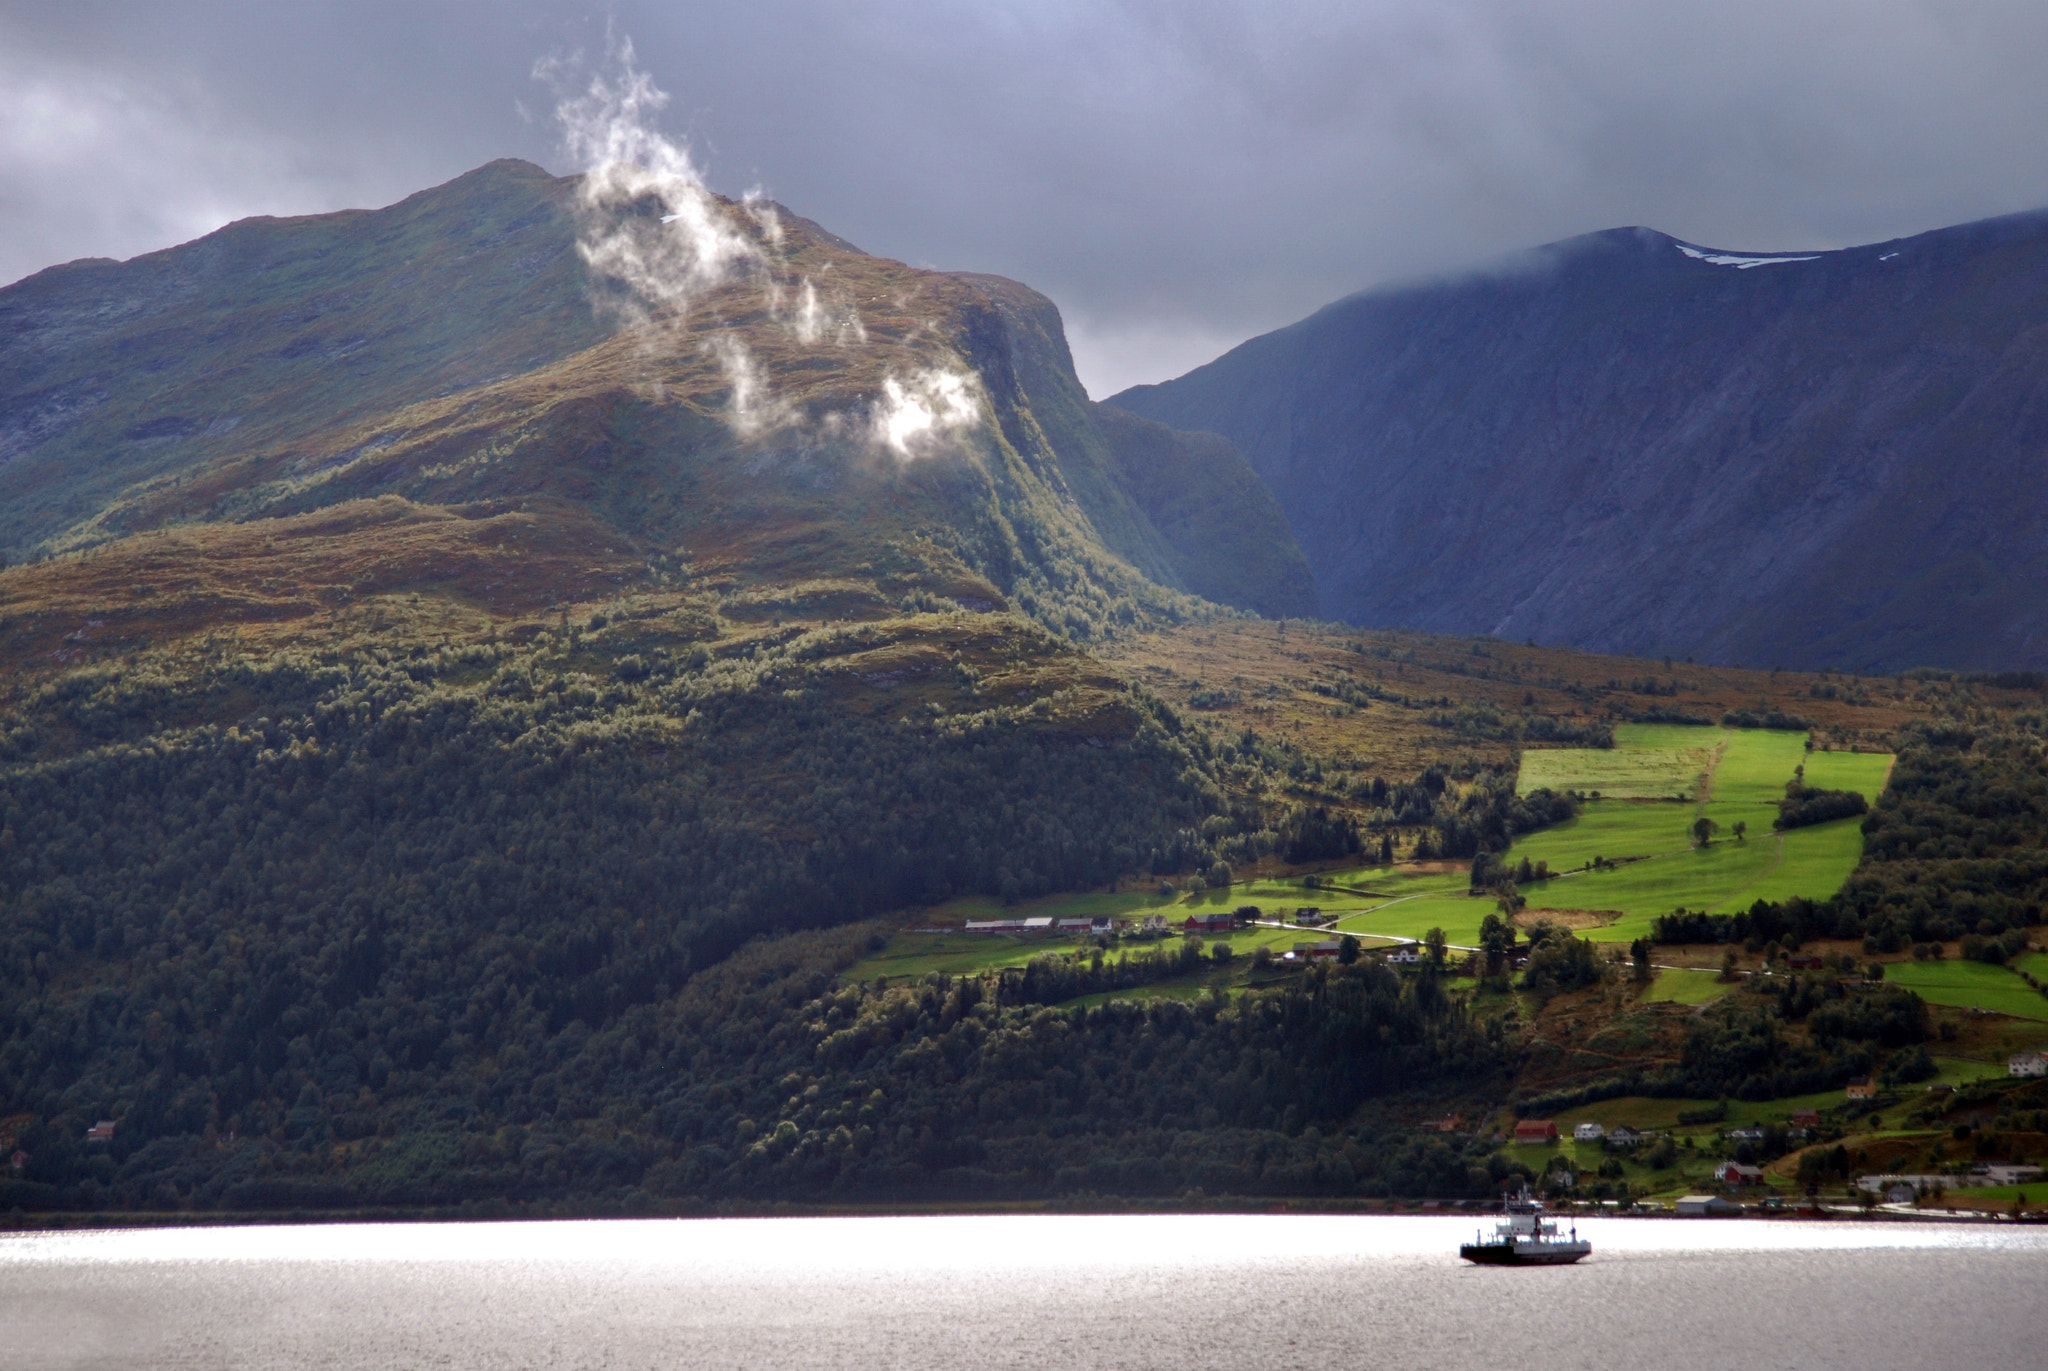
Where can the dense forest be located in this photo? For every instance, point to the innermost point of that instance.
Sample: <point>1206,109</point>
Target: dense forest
<point>762,1079</point>
<point>1742,1046</point>
<point>499,792</point>
<point>307,900</point>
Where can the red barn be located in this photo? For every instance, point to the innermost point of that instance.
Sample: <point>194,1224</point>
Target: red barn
<point>1535,1131</point>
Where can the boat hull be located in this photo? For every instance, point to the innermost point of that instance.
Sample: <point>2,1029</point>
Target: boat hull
<point>1507,1254</point>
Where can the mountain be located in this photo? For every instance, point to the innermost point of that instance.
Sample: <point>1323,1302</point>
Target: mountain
<point>692,567</point>
<point>1626,443</point>
<point>434,633</point>
<point>456,351</point>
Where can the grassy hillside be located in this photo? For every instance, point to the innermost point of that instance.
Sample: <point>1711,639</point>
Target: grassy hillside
<point>1658,864</point>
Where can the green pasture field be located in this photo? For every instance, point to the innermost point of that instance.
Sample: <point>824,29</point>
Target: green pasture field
<point>1459,916</point>
<point>2035,964</point>
<point>1746,770</point>
<point>1661,870</point>
<point>1966,1071</point>
<point>914,955</point>
<point>1361,888</point>
<point>1970,985</point>
<point>1349,896</point>
<point>1650,1115</point>
<point>1723,877</point>
<point>1863,772</point>
<point>2032,1194</point>
<point>1687,987</point>
<point>1622,773</point>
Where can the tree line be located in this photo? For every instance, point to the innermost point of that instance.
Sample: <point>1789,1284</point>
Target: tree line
<point>763,1078</point>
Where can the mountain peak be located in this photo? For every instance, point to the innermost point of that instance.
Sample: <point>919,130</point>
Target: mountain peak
<point>1630,443</point>
<point>791,409</point>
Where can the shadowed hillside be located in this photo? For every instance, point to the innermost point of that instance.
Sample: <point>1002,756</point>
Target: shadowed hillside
<point>1626,444</point>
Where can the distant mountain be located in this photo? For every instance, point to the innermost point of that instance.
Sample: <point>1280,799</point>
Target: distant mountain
<point>1626,443</point>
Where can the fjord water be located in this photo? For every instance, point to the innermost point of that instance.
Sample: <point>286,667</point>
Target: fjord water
<point>1038,1291</point>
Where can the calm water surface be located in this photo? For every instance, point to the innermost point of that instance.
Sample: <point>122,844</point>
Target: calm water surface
<point>968,1292</point>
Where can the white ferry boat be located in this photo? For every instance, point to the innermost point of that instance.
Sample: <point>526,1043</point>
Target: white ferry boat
<point>1524,1237</point>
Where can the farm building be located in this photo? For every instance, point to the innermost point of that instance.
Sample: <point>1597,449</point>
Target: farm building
<point>1707,1206</point>
<point>1805,961</point>
<point>1210,923</point>
<point>1311,914</point>
<point>1319,950</point>
<point>1535,1131</point>
<point>1735,1173</point>
<point>1806,1118</point>
<point>103,1131</point>
<point>2005,1173</point>
<point>1621,1135</point>
<point>1588,1132</point>
<point>1017,925</point>
<point>2027,1064</point>
<point>1744,1135</point>
<point>1862,1088</point>
<point>1408,955</point>
<point>1918,1183</point>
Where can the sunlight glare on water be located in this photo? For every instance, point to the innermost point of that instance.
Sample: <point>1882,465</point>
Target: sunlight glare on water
<point>1185,1291</point>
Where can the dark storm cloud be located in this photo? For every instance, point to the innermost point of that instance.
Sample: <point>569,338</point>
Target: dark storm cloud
<point>1176,175</point>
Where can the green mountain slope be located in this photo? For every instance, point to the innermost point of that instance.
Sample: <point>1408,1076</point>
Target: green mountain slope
<point>425,636</point>
<point>454,349</point>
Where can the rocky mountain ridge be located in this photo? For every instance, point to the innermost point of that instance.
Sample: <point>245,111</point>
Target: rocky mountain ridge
<point>467,349</point>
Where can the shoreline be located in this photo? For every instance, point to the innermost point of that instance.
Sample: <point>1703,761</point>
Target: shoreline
<point>117,1220</point>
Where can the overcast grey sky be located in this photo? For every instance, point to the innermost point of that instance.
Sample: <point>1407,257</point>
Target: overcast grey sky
<point>1177,175</point>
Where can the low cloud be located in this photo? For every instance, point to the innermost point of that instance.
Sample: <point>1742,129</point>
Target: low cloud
<point>919,413</point>
<point>649,224</point>
<point>658,241</point>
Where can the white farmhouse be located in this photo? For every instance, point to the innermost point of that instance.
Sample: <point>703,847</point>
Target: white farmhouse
<point>1588,1132</point>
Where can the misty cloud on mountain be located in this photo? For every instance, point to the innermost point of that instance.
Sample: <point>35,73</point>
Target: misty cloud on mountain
<point>662,241</point>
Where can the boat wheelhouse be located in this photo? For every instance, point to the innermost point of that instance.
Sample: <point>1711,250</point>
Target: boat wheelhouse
<point>1525,1237</point>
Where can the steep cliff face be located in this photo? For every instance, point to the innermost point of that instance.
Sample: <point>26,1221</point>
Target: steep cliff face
<point>1631,444</point>
<point>496,344</point>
